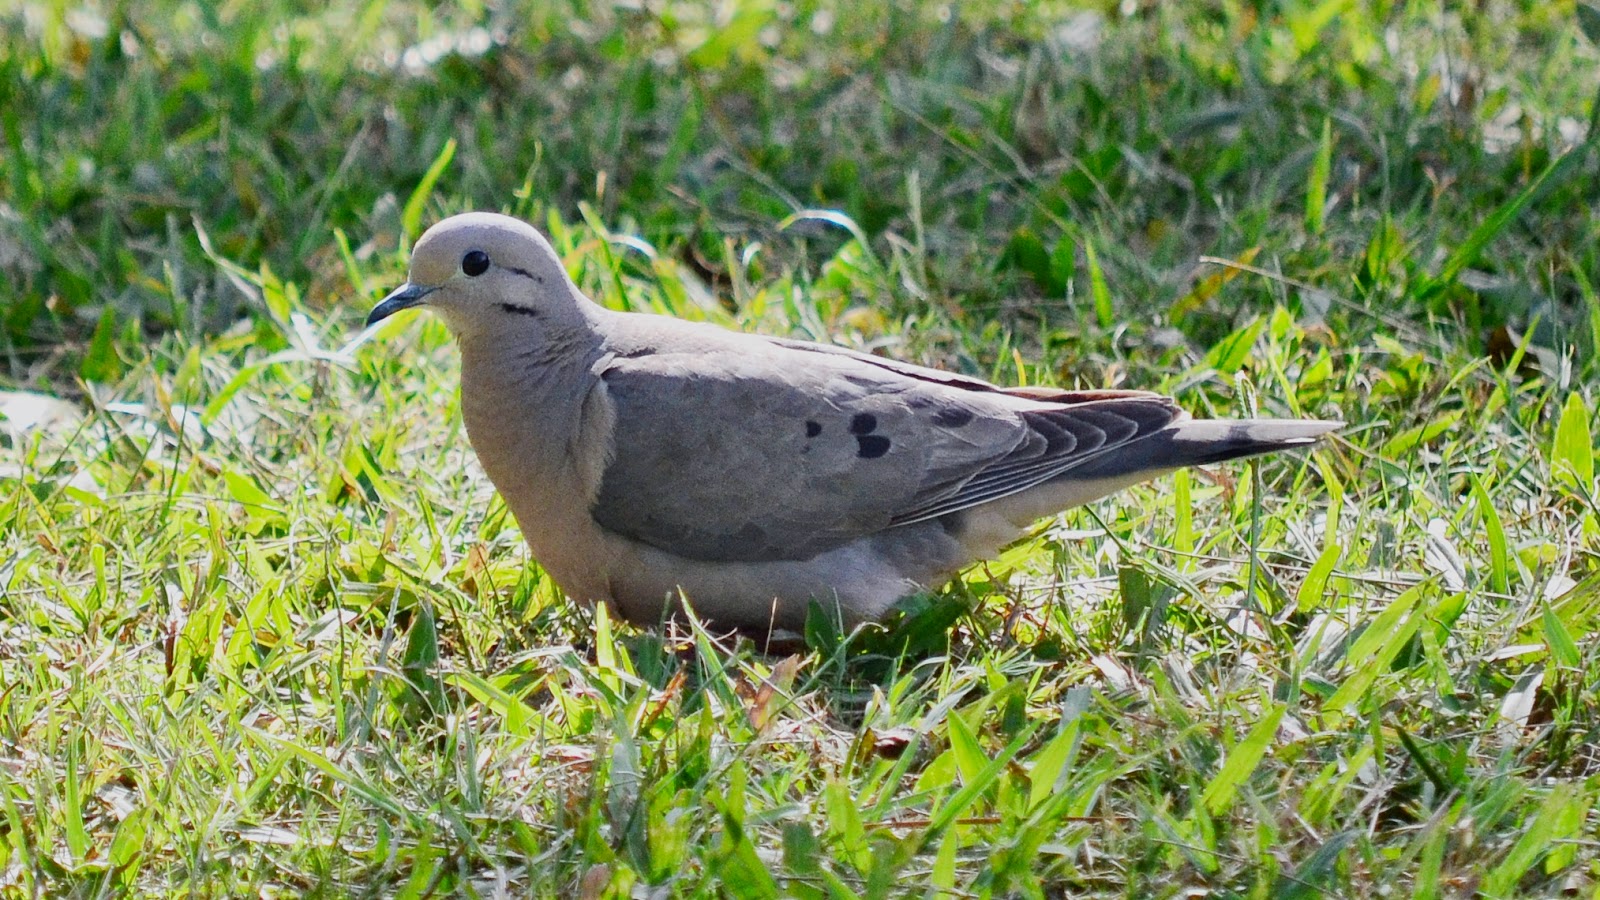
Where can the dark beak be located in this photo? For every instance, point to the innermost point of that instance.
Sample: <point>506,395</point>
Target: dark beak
<point>403,297</point>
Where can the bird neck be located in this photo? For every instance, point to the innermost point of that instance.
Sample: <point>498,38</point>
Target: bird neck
<point>533,424</point>
<point>522,396</point>
<point>539,366</point>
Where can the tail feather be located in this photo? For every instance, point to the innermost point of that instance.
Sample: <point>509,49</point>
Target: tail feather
<point>1202,442</point>
<point>1188,442</point>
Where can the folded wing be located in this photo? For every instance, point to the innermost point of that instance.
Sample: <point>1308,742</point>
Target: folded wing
<point>784,454</point>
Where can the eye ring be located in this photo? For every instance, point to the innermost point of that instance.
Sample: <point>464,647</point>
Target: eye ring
<point>475,263</point>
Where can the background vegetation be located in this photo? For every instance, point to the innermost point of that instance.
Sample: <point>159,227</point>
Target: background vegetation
<point>264,629</point>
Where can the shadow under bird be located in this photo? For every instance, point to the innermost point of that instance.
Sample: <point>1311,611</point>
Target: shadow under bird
<point>647,458</point>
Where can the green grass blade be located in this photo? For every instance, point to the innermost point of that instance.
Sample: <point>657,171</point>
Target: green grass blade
<point>76,833</point>
<point>1430,848</point>
<point>1553,821</point>
<point>1099,291</point>
<point>1182,515</point>
<point>943,877</point>
<point>352,269</point>
<point>1230,354</point>
<point>1313,590</point>
<point>1050,763</point>
<point>100,362</point>
<point>1578,610</point>
<point>1317,185</point>
<point>357,785</point>
<point>1496,222</point>
<point>1311,877</point>
<point>1591,303</point>
<point>1589,20</point>
<point>959,802</point>
<point>420,662</point>
<point>1242,760</point>
<point>1494,533</point>
<point>1563,649</point>
<point>411,216</point>
<point>970,758</point>
<point>1572,453</point>
<point>844,821</point>
<point>1377,646</point>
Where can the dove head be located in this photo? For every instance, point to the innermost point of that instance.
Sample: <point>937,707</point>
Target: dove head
<point>489,274</point>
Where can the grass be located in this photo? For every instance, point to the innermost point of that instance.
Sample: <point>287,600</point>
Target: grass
<point>264,629</point>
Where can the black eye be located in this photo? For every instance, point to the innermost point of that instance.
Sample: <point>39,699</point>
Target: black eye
<point>475,263</point>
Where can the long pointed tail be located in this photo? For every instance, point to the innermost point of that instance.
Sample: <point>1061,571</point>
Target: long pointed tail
<point>1201,442</point>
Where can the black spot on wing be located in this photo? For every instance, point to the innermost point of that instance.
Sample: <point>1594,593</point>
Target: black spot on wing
<point>871,446</point>
<point>863,423</point>
<point>813,429</point>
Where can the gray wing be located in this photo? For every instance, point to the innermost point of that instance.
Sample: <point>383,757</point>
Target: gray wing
<point>730,455</point>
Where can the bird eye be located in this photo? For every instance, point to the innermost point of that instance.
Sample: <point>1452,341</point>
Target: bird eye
<point>475,263</point>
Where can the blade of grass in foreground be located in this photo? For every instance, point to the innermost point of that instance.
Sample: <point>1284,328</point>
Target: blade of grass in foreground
<point>1559,818</point>
<point>976,786</point>
<point>1242,760</point>
<point>1572,453</point>
<point>1495,533</point>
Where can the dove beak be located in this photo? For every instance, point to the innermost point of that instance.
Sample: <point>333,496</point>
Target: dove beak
<point>403,297</point>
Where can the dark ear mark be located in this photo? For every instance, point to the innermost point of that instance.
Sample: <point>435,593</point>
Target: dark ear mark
<point>516,310</point>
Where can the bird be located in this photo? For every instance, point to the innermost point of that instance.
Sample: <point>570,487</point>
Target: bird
<point>651,461</point>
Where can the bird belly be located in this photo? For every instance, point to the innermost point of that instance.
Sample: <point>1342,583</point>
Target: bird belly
<point>853,584</point>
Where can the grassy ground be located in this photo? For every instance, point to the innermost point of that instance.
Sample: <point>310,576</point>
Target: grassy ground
<point>265,630</point>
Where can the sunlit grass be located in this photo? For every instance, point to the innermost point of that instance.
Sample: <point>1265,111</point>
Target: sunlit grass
<point>264,627</point>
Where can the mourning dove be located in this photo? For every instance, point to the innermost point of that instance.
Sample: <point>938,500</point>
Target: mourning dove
<point>649,459</point>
